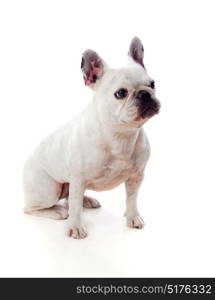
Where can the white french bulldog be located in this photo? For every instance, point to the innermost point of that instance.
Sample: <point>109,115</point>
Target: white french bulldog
<point>101,148</point>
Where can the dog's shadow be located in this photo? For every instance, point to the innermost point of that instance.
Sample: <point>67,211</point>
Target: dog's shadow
<point>98,221</point>
<point>100,253</point>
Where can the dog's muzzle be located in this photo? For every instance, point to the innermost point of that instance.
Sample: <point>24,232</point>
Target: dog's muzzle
<point>147,105</point>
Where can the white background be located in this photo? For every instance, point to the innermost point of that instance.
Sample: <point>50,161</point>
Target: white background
<point>41,88</point>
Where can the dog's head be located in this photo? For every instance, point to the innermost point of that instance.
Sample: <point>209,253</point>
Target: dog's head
<point>126,94</point>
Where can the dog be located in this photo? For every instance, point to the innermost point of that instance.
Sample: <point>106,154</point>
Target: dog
<point>98,150</point>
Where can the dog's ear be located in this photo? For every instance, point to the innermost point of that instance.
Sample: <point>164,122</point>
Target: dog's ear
<point>93,68</point>
<point>136,51</point>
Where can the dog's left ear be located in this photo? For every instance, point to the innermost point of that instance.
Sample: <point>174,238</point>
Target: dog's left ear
<point>136,51</point>
<point>93,68</point>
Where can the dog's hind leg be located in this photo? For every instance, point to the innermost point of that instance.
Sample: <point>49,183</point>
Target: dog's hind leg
<point>42,193</point>
<point>89,202</point>
<point>56,212</point>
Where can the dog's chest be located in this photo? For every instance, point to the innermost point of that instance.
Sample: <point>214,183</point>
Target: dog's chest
<point>113,172</point>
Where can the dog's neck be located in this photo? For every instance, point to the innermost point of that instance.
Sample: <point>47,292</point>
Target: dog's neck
<point>119,138</point>
<point>123,143</point>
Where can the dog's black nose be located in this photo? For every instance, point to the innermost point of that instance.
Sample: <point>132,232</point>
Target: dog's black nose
<point>144,96</point>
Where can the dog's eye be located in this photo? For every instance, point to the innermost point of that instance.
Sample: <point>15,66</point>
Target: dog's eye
<point>121,93</point>
<point>152,84</point>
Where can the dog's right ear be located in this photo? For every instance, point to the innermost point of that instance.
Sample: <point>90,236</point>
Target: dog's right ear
<point>93,68</point>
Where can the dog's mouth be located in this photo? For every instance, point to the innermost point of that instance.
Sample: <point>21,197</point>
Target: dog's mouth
<point>149,110</point>
<point>147,105</point>
<point>144,111</point>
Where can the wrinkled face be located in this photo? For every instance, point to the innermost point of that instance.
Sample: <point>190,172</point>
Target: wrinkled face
<point>128,94</point>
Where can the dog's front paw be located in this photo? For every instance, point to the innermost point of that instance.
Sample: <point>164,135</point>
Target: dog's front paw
<point>135,222</point>
<point>76,230</point>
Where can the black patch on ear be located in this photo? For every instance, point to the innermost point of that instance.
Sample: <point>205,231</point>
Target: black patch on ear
<point>94,78</point>
<point>136,51</point>
<point>82,63</point>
